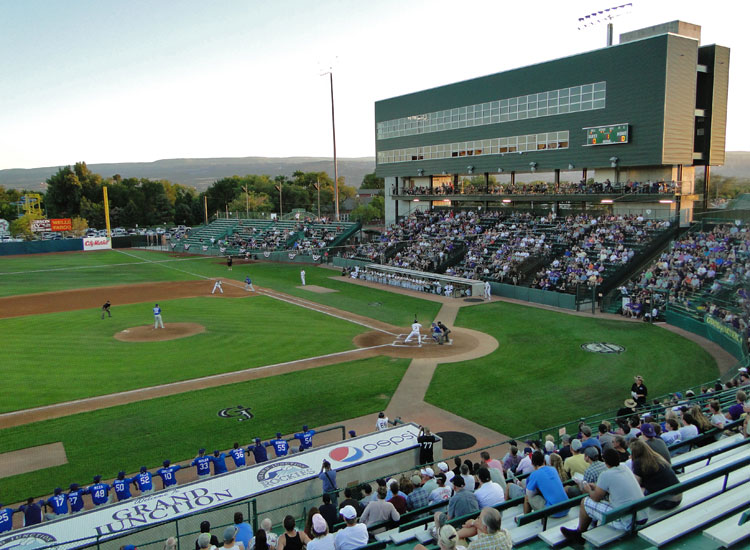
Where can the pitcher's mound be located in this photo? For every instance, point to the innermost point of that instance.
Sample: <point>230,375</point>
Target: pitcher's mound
<point>171,331</point>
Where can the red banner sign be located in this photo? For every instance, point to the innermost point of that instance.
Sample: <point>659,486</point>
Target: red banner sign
<point>61,224</point>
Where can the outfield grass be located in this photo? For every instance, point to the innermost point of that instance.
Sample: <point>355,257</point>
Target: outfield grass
<point>145,433</point>
<point>539,376</point>
<point>71,355</point>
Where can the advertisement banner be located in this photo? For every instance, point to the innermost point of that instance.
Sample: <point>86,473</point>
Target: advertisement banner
<point>96,243</point>
<point>38,226</point>
<point>61,224</point>
<point>116,519</point>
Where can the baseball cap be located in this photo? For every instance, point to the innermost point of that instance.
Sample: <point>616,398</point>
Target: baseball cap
<point>381,415</point>
<point>416,480</point>
<point>121,474</point>
<point>278,435</point>
<point>166,463</point>
<point>742,369</point>
<point>319,524</point>
<point>591,452</point>
<point>143,469</point>
<point>201,451</point>
<point>204,540</point>
<point>229,533</point>
<point>304,428</point>
<point>97,478</point>
<point>443,466</point>
<point>447,536</point>
<point>129,547</point>
<point>429,472</point>
<point>58,490</point>
<point>74,486</point>
<point>257,439</point>
<point>348,512</point>
<point>576,444</point>
<point>648,430</point>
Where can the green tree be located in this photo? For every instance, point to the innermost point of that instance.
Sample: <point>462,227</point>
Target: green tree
<point>371,181</point>
<point>63,197</point>
<point>21,227</point>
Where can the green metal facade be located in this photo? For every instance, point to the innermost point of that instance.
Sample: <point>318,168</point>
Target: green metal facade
<point>635,75</point>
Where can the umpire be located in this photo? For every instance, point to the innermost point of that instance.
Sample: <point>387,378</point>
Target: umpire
<point>105,309</point>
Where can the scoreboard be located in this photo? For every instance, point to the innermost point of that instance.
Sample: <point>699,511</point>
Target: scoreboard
<point>607,135</point>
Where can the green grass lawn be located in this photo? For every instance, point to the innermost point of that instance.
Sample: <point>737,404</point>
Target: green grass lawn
<point>70,355</point>
<point>539,376</point>
<point>175,427</point>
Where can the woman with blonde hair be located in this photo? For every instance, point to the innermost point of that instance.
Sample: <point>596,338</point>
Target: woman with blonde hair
<point>704,424</point>
<point>556,461</point>
<point>654,474</point>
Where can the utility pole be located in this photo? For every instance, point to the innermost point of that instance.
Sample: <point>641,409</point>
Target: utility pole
<point>335,161</point>
<point>281,209</point>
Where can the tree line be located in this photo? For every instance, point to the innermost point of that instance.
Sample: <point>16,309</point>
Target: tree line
<point>76,192</point>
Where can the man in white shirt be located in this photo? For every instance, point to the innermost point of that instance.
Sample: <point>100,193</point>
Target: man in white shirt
<point>489,493</point>
<point>354,535</point>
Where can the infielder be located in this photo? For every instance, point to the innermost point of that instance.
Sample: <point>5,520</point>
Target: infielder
<point>249,284</point>
<point>158,323</point>
<point>415,326</point>
<point>105,309</point>
<point>217,286</point>
<point>487,291</point>
<point>302,276</point>
<point>229,262</point>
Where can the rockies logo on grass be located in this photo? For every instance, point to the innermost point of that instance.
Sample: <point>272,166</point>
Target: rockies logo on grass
<point>239,412</point>
<point>602,347</point>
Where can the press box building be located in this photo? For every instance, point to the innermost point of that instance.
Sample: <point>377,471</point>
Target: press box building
<point>651,108</point>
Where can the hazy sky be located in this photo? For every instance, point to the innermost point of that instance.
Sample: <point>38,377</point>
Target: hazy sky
<point>141,80</point>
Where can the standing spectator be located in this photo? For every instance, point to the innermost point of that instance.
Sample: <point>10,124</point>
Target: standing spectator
<point>306,438</point>
<point>354,535</point>
<point>463,501</point>
<point>99,491</point>
<point>329,511</point>
<point>168,477</point>
<point>202,463</point>
<point>543,487</point>
<point>426,440</point>
<point>219,461</point>
<point>58,503</point>
<point>328,477</point>
<point>638,391</point>
<point>376,512</point>
<point>617,482</point>
<point>32,512</point>
<point>213,540</point>
<point>244,531</point>
<point>322,539</point>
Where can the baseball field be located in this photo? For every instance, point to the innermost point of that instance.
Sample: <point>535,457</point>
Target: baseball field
<point>117,394</point>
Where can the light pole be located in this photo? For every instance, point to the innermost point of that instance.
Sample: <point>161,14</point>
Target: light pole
<point>280,204</point>
<point>317,187</point>
<point>247,202</point>
<point>335,161</point>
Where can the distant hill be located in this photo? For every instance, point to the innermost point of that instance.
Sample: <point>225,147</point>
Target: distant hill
<point>201,173</point>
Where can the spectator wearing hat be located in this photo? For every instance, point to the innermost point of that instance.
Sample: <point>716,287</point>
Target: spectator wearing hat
<point>638,391</point>
<point>443,467</point>
<point>418,498</point>
<point>219,461</point>
<point>576,464</point>
<point>244,531</point>
<point>626,412</point>
<point>428,479</point>
<point>229,539</point>
<point>209,539</point>
<point>377,511</point>
<point>291,539</point>
<point>463,501</point>
<point>58,503</point>
<point>32,512</point>
<point>447,539</point>
<point>654,442</point>
<point>595,465</point>
<point>488,493</point>
<point>543,487</point>
<point>99,492</point>
<point>75,498</point>
<point>354,535</point>
<point>202,464</point>
<point>588,439</point>
<point>121,485</point>
<point>322,539</point>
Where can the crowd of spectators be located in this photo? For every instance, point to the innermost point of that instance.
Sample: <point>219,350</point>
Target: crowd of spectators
<point>544,188</point>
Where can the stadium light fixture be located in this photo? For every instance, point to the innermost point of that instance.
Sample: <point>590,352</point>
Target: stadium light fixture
<point>607,201</point>
<point>604,16</point>
<point>506,200</point>
<point>613,161</point>
<point>665,201</point>
<point>470,169</point>
<point>329,72</point>
<point>420,171</point>
<point>532,166</point>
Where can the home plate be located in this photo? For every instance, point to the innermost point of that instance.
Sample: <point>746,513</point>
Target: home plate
<point>400,342</point>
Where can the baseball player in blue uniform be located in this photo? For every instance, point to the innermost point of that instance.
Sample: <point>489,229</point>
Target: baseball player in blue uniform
<point>158,323</point>
<point>238,455</point>
<point>249,284</point>
<point>121,486</point>
<point>280,445</point>
<point>220,462</point>
<point>202,463</point>
<point>58,503</point>
<point>144,481</point>
<point>6,518</point>
<point>305,438</point>
<point>259,451</point>
<point>75,498</point>
<point>99,492</point>
<point>167,474</point>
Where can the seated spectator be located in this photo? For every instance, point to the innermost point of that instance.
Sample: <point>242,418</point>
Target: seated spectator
<point>213,540</point>
<point>543,487</point>
<point>654,474</point>
<point>576,464</point>
<point>654,442</point>
<point>204,542</point>
<point>398,499</point>
<point>463,501</point>
<point>354,535</point>
<point>588,440</point>
<point>269,536</point>
<point>418,498</point>
<point>329,512</point>
<point>488,493</point>
<point>672,435</point>
<point>512,459</point>
<point>486,532</point>
<point>368,497</point>
<point>620,485</point>
<point>689,428</point>
<point>377,511</point>
<point>292,539</point>
<point>606,437</point>
<point>348,501</point>
<point>322,539</point>
<point>736,410</point>
<point>229,539</point>
<point>442,493</point>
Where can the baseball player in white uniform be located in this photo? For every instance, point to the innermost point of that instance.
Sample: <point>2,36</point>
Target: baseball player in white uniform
<point>382,422</point>
<point>302,276</point>
<point>487,291</point>
<point>217,286</point>
<point>158,323</point>
<point>415,326</point>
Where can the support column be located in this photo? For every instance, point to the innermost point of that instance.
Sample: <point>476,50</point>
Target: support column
<point>585,175</point>
<point>512,178</point>
<point>557,176</point>
<point>486,183</point>
<point>706,185</point>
